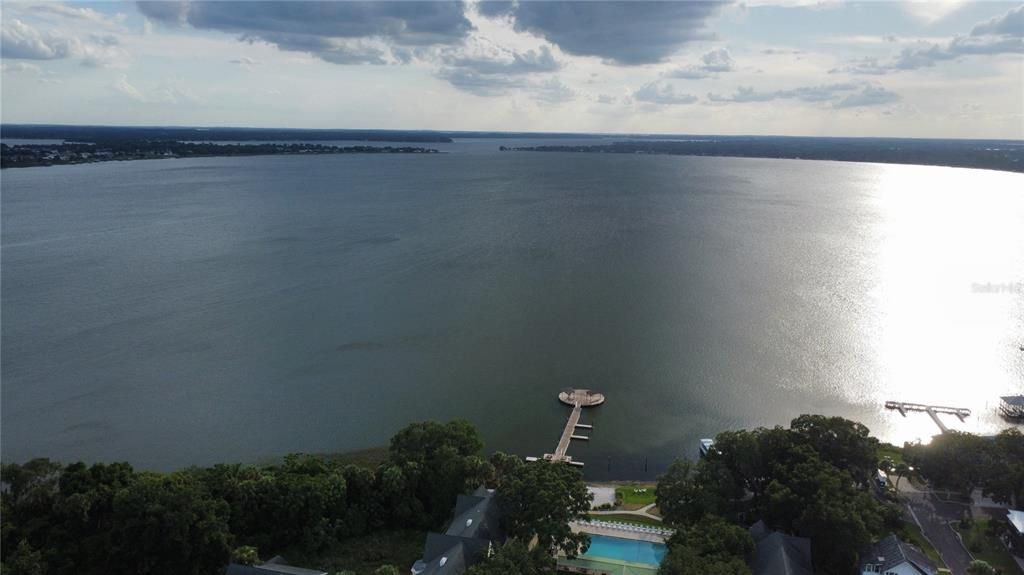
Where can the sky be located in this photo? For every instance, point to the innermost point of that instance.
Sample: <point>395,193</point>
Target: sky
<point>937,69</point>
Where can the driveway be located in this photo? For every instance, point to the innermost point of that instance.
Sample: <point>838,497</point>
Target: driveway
<point>934,516</point>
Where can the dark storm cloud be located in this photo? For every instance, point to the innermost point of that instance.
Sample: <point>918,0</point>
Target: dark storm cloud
<point>625,33</point>
<point>846,95</point>
<point>1002,35</point>
<point>330,30</point>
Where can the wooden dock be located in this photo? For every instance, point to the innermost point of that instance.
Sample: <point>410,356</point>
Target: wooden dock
<point>933,411</point>
<point>578,399</point>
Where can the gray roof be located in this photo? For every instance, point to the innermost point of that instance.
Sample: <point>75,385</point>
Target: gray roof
<point>893,552</point>
<point>467,539</point>
<point>1016,400</point>
<point>447,555</point>
<point>476,516</point>
<point>779,554</point>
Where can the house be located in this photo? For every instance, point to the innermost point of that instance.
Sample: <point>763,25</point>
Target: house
<point>1012,406</point>
<point>1016,531</point>
<point>776,553</point>
<point>890,556</point>
<point>274,566</point>
<point>469,539</point>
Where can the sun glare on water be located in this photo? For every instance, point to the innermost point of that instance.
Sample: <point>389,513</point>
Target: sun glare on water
<point>949,295</point>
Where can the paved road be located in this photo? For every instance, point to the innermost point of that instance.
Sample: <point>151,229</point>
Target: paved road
<point>934,516</point>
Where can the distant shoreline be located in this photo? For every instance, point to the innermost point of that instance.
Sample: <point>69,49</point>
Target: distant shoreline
<point>924,153</point>
<point>44,155</point>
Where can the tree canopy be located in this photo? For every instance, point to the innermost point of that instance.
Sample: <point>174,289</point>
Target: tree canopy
<point>539,500</point>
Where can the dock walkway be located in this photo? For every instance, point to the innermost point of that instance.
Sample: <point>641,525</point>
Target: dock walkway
<point>933,411</point>
<point>578,399</point>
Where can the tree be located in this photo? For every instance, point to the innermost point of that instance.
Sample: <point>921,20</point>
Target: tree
<point>901,470</point>
<point>539,500</point>
<point>712,546</point>
<point>979,567</point>
<point>515,558</point>
<point>165,524</point>
<point>682,495</point>
<point>440,460</point>
<point>846,444</point>
<point>1003,476</point>
<point>955,461</point>
<point>386,570</point>
<point>245,555</point>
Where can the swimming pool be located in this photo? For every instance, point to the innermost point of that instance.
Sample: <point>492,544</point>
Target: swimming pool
<point>628,550</point>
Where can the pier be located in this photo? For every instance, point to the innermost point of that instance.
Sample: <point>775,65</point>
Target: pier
<point>578,399</point>
<point>933,411</point>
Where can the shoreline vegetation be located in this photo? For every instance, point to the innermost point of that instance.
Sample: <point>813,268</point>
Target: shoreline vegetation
<point>37,155</point>
<point>1002,156</point>
<point>367,512</point>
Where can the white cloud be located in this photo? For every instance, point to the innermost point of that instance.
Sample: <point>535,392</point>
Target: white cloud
<point>662,93</point>
<point>122,86</point>
<point>20,67</point>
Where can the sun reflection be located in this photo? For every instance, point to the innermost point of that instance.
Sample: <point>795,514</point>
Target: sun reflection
<point>949,319</point>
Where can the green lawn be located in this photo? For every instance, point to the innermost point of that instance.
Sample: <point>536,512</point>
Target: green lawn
<point>889,450</point>
<point>985,546</point>
<point>629,499</point>
<point>625,518</point>
<point>912,534</point>
<point>365,554</point>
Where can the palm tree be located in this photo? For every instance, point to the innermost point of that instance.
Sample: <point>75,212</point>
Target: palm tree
<point>901,470</point>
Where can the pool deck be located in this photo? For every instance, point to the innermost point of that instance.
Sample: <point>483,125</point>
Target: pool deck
<point>587,527</point>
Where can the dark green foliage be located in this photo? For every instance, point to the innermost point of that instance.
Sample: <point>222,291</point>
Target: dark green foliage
<point>810,480</point>
<point>110,519</point>
<point>539,500</point>
<point>105,519</point>
<point>845,444</point>
<point>438,461</point>
<point>711,546</point>
<point>952,461</point>
<point>1003,480</point>
<point>515,558</point>
<point>979,567</point>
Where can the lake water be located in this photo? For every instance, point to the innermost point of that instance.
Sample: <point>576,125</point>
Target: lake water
<point>173,312</point>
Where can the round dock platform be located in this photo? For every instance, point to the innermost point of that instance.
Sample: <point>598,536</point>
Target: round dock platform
<point>584,397</point>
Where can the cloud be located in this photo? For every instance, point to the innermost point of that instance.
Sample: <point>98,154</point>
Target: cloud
<point>553,91</point>
<point>122,86</point>
<point>932,11</point>
<point>868,96</point>
<point>20,67</point>
<point>167,93</point>
<point>337,32</point>
<point>75,13</point>
<point>528,62</point>
<point>606,99</point>
<point>624,33</point>
<point>495,74</point>
<point>1002,35</point>
<point>1010,24</point>
<point>843,95</point>
<point>243,61</point>
<point>662,94</point>
<point>713,62</point>
<point>19,40</point>
<point>480,84</point>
